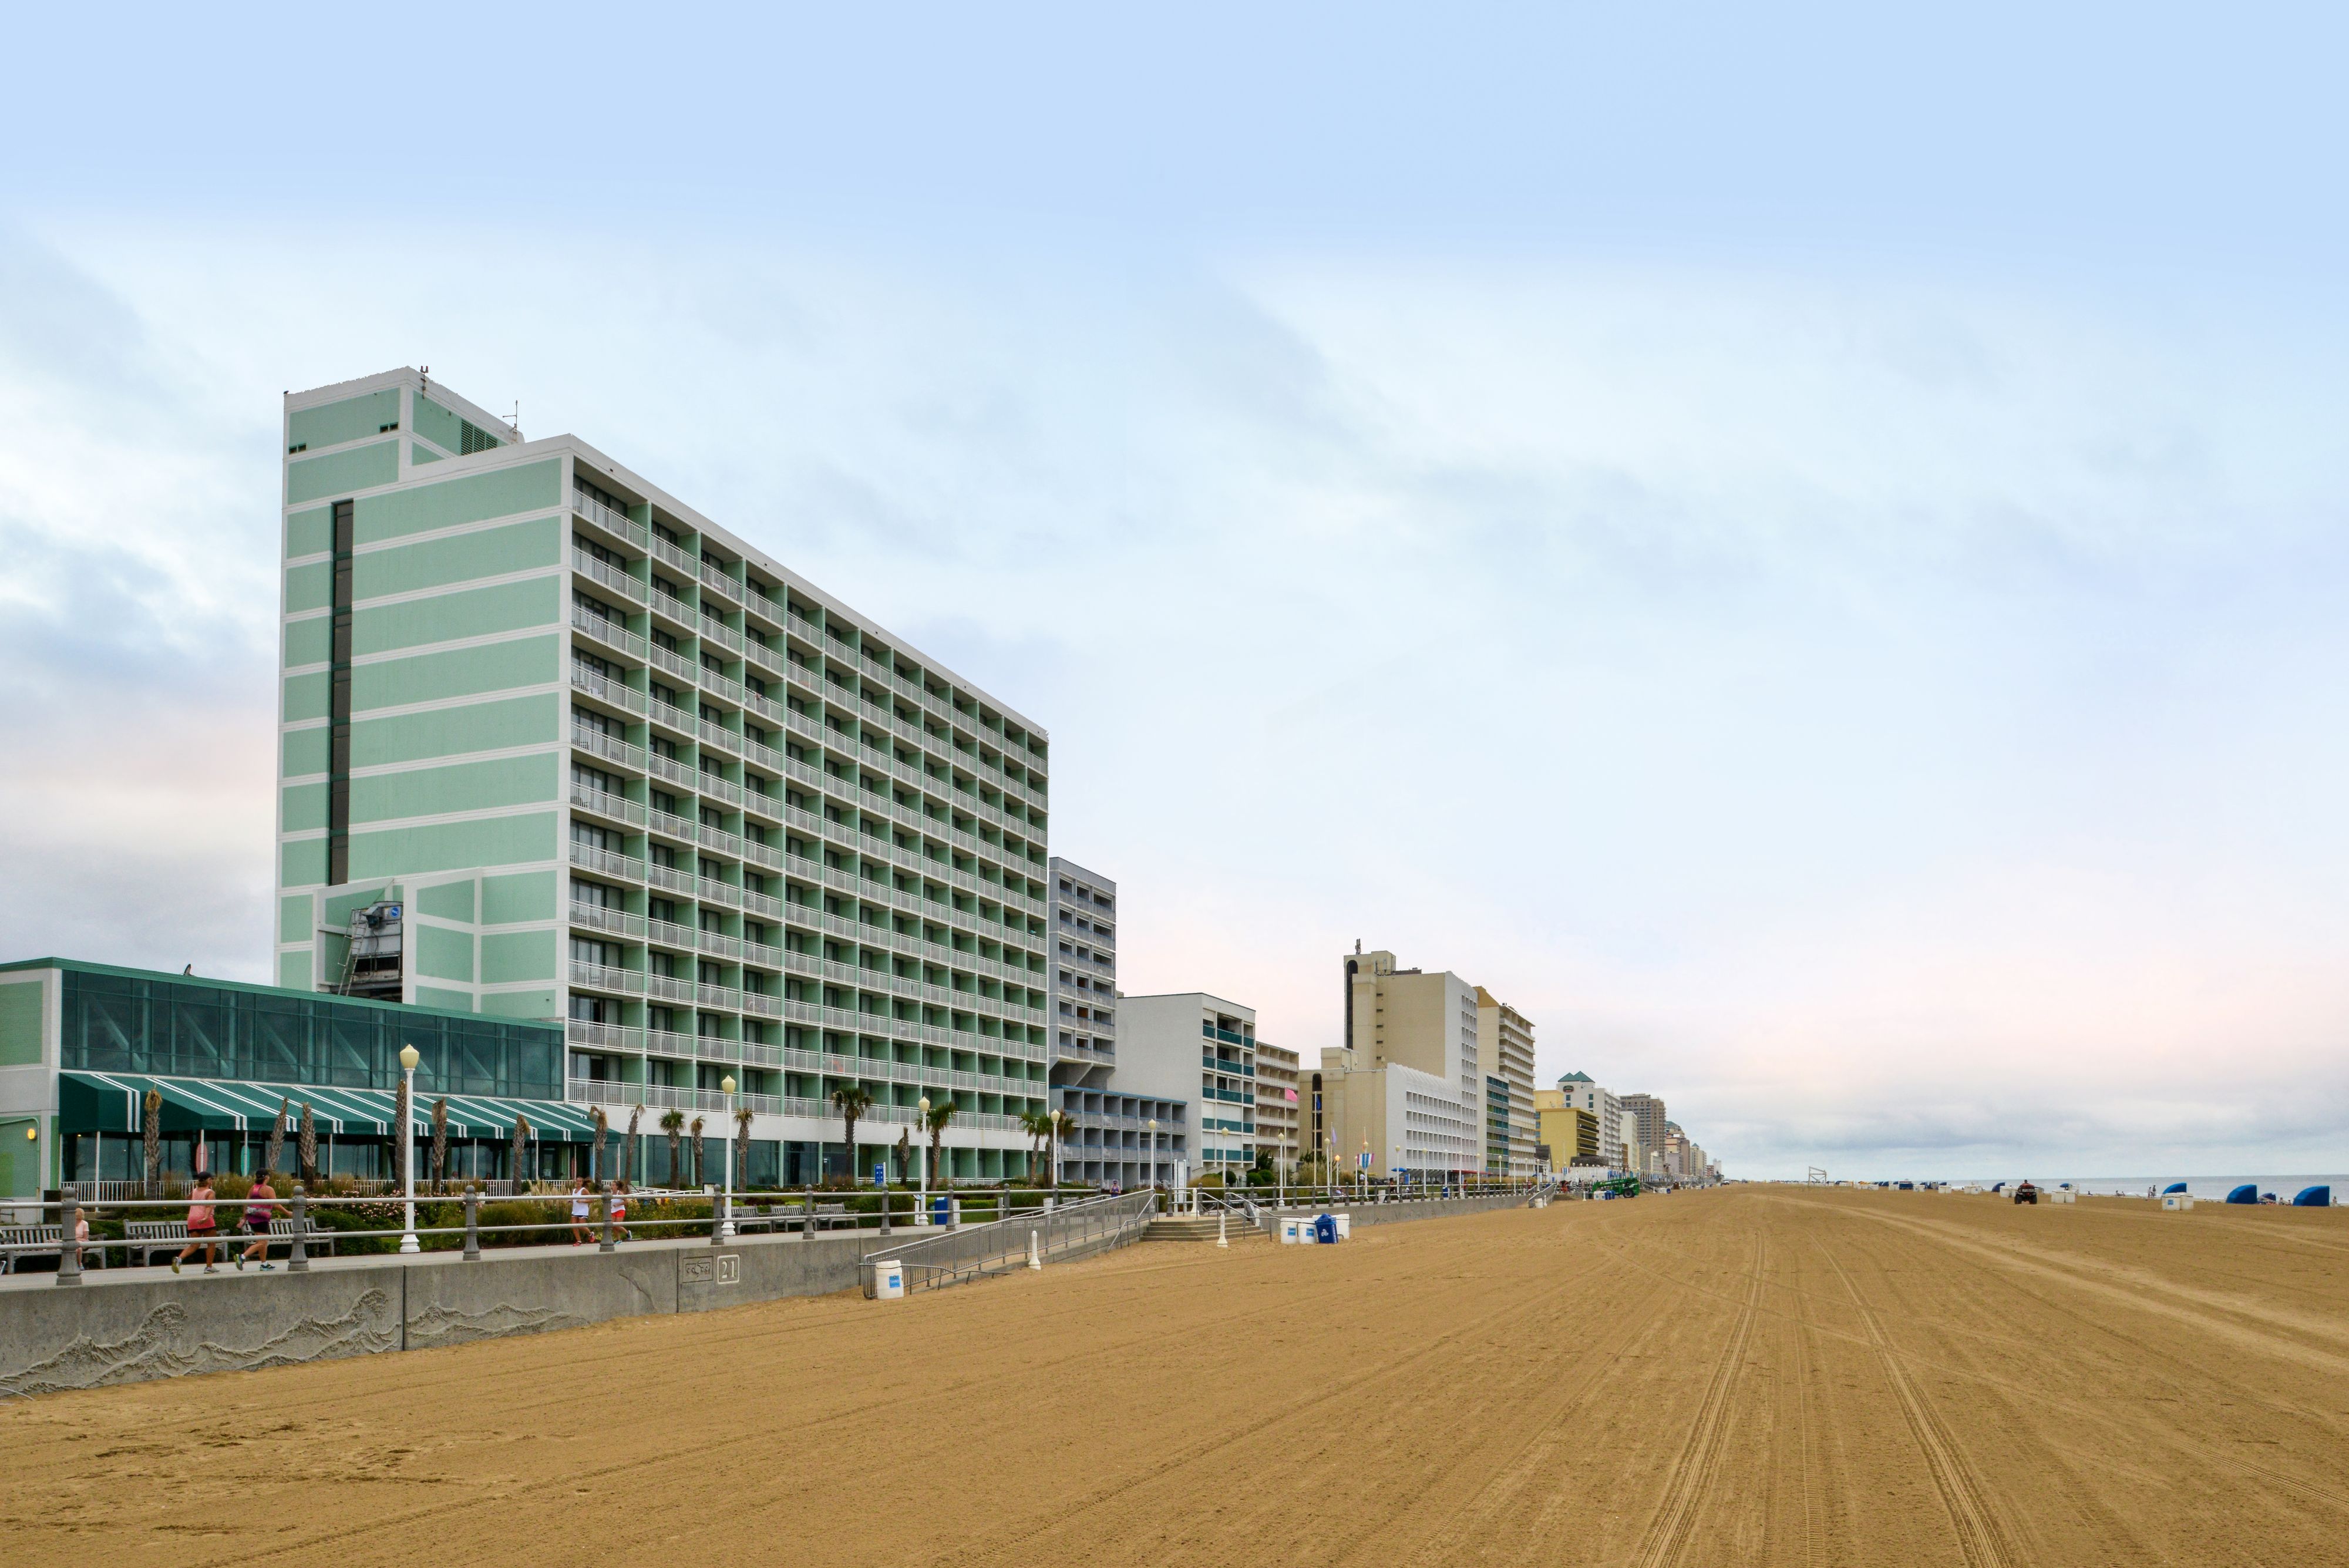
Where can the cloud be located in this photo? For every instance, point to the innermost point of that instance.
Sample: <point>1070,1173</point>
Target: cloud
<point>1878,716</point>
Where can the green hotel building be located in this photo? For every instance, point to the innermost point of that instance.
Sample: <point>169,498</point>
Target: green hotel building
<point>555,748</point>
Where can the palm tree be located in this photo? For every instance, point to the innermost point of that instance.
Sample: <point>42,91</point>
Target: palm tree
<point>306,1148</point>
<point>697,1150</point>
<point>672,1122</point>
<point>1038,1126</point>
<point>905,1153</point>
<point>632,1155</point>
<point>1059,1124</point>
<point>742,1146</point>
<point>521,1131</point>
<point>934,1124</point>
<point>603,1130</point>
<point>440,1143</point>
<point>153,1136</point>
<point>852,1101</point>
<point>276,1138</point>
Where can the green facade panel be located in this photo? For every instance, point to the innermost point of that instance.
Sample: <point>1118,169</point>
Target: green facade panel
<point>434,996</point>
<point>496,725</point>
<point>309,587</point>
<point>310,641</point>
<point>302,863</point>
<point>419,454</point>
<point>517,955</point>
<point>293,919</point>
<point>20,1022</point>
<point>454,672</point>
<point>435,423</point>
<point>517,897</point>
<point>302,752</point>
<point>339,473</point>
<point>467,612</point>
<point>310,533</point>
<point>452,846</point>
<point>306,696</point>
<point>450,503</point>
<point>484,785</point>
<point>447,901</point>
<point>293,969</point>
<point>442,953</point>
<point>441,562</point>
<point>353,418</point>
<point>302,808</point>
<point>520,1004</point>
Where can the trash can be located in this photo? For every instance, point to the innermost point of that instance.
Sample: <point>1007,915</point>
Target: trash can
<point>1345,1226</point>
<point>941,1211</point>
<point>1289,1230</point>
<point>1325,1228</point>
<point>883,1279</point>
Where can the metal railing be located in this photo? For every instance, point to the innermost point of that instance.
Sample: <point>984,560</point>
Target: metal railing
<point>1057,1235</point>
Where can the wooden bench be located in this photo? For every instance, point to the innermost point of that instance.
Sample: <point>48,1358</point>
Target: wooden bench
<point>39,1242</point>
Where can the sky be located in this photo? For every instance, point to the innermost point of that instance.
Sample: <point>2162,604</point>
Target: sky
<point>1803,546</point>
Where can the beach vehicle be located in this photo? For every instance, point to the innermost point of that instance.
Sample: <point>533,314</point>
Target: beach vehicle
<point>2026,1193</point>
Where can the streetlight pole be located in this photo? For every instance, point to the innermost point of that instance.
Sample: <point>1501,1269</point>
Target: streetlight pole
<point>408,1060</point>
<point>726,1225</point>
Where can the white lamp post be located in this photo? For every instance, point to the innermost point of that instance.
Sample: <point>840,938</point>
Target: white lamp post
<point>408,1060</point>
<point>923,1106</point>
<point>725,1224</point>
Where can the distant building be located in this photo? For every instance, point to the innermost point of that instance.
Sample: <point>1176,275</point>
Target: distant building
<point>1643,1117</point>
<point>1568,1131</point>
<point>1406,1092</point>
<point>1504,1044</point>
<point>1192,1043</point>
<point>1277,1107</point>
<point>1604,1108</point>
<point>1114,1142</point>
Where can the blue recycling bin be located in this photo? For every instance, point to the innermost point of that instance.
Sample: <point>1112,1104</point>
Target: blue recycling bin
<point>941,1211</point>
<point>1325,1228</point>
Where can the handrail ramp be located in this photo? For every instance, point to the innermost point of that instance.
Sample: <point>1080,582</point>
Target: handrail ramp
<point>1062,1235</point>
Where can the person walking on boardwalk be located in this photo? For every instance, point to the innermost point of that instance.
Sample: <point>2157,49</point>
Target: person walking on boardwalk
<point>579,1234</point>
<point>203,1229</point>
<point>260,1208</point>
<point>620,1210</point>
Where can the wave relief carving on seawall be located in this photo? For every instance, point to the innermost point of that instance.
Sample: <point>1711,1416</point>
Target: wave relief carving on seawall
<point>439,1325</point>
<point>154,1349</point>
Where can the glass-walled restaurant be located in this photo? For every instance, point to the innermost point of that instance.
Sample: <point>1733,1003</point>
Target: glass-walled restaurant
<point>225,1059</point>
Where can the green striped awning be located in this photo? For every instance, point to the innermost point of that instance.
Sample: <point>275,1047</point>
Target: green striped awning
<point>111,1103</point>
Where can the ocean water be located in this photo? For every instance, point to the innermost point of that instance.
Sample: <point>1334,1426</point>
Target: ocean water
<point>2211,1188</point>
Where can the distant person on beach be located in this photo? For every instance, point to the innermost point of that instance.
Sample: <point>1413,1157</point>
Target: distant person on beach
<point>259,1209</point>
<point>579,1234</point>
<point>201,1227</point>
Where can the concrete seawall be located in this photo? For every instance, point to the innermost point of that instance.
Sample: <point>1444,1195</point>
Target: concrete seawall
<point>126,1325</point>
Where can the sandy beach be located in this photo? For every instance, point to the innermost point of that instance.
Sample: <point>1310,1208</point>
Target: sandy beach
<point>1751,1376</point>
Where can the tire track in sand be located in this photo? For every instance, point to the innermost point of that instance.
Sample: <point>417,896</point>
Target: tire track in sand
<point>1979,1536</point>
<point>1667,1537</point>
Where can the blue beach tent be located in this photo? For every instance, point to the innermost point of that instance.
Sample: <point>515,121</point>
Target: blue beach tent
<point>2173,1187</point>
<point>2313,1198</point>
<point>2248,1192</point>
